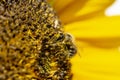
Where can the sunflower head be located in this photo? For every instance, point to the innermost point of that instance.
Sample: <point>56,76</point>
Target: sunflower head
<point>33,45</point>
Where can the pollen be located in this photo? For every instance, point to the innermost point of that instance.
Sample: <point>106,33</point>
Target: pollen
<point>33,45</point>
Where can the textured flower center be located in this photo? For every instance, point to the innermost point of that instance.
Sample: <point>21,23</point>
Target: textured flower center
<point>33,45</point>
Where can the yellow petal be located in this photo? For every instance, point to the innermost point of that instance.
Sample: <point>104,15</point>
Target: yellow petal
<point>51,2</point>
<point>58,5</point>
<point>102,32</point>
<point>61,4</point>
<point>96,64</point>
<point>81,9</point>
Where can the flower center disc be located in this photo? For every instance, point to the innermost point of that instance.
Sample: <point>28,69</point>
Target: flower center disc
<point>33,45</point>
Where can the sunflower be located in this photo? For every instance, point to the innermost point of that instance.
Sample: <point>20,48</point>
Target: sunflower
<point>97,38</point>
<point>33,45</point>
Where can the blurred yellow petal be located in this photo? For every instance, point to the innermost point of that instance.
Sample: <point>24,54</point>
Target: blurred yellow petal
<point>61,4</point>
<point>103,27</point>
<point>103,42</point>
<point>102,32</point>
<point>96,64</point>
<point>81,9</point>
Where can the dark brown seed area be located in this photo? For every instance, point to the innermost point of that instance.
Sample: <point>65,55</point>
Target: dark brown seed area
<point>33,45</point>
